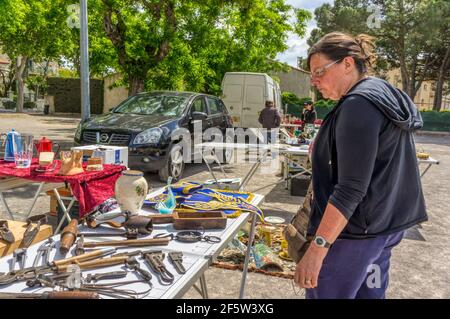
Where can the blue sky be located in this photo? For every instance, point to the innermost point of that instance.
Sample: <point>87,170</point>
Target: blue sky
<point>298,46</point>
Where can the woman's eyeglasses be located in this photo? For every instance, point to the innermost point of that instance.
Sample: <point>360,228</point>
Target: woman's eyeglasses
<point>321,71</point>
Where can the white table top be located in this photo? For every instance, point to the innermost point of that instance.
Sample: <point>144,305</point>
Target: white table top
<point>196,258</point>
<point>430,160</point>
<point>295,150</point>
<point>242,146</point>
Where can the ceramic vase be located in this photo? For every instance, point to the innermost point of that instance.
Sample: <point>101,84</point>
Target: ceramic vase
<point>131,189</point>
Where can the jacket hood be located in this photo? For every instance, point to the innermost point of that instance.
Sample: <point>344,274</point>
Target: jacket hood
<point>394,103</point>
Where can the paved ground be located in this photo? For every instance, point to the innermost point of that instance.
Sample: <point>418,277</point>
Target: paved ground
<point>420,264</point>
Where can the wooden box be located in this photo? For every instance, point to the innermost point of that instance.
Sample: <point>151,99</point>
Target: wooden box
<point>18,228</point>
<point>199,220</point>
<point>63,192</point>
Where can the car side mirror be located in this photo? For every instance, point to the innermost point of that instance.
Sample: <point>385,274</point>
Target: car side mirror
<point>199,116</point>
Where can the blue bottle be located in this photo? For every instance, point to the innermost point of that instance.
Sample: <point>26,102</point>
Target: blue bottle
<point>9,147</point>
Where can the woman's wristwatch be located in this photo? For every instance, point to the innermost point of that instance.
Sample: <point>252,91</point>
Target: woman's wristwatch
<point>321,242</point>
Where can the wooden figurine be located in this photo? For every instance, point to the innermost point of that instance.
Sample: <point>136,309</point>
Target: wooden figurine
<point>71,163</point>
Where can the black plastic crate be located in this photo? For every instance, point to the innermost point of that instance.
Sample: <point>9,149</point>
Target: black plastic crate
<point>299,185</point>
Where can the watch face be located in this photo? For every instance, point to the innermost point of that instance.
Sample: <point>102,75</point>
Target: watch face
<point>320,241</point>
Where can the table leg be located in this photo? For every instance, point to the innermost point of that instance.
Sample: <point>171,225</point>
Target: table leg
<point>2,199</point>
<point>210,170</point>
<point>35,198</point>
<point>204,287</point>
<point>247,257</point>
<point>216,159</point>
<point>286,171</point>
<point>426,169</point>
<point>64,209</point>
<point>252,171</point>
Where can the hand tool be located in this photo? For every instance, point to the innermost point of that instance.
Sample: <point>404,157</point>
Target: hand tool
<point>51,295</point>
<point>129,243</point>
<point>107,275</point>
<point>129,233</point>
<point>68,236</point>
<point>96,219</point>
<point>190,236</point>
<point>5,233</point>
<point>155,260</point>
<point>79,248</point>
<point>44,252</point>
<point>176,258</point>
<point>55,266</point>
<point>133,264</point>
<point>30,232</point>
<point>19,255</point>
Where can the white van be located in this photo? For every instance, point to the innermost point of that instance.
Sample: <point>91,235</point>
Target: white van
<point>245,95</point>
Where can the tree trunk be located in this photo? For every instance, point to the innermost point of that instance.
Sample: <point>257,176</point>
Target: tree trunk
<point>20,68</point>
<point>437,103</point>
<point>4,84</point>
<point>136,84</point>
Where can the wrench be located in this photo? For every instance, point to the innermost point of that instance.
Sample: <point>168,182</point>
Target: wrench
<point>133,264</point>
<point>44,252</point>
<point>19,255</point>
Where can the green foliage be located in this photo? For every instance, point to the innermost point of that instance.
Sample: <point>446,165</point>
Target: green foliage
<point>289,98</point>
<point>36,83</point>
<point>67,73</point>
<point>413,34</point>
<point>325,103</point>
<point>436,121</point>
<point>188,45</point>
<point>9,105</point>
<point>29,105</point>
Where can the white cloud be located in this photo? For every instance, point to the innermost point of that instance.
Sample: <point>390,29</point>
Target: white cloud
<point>298,46</point>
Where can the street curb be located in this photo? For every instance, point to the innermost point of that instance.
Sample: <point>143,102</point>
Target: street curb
<point>432,133</point>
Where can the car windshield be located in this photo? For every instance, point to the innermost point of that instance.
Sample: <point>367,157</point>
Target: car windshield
<point>164,105</point>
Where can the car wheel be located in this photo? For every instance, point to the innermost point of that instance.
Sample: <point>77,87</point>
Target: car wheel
<point>174,165</point>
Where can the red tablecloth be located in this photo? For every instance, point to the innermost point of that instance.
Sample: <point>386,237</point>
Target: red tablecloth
<point>89,188</point>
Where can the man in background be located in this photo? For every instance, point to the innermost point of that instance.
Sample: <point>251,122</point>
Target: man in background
<point>270,120</point>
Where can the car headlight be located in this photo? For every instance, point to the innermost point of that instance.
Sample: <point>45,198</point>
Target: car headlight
<point>150,136</point>
<point>78,132</point>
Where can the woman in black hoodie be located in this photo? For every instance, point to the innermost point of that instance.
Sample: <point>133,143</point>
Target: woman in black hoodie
<point>366,181</point>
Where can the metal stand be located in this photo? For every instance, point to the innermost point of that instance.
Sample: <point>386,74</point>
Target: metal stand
<point>203,290</point>
<point>30,209</point>
<point>64,209</point>
<point>251,237</point>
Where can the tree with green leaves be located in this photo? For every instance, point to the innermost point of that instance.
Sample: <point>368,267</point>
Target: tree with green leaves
<point>191,44</point>
<point>32,29</point>
<point>409,35</point>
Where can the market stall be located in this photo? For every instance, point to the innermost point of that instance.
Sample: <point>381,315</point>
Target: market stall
<point>130,268</point>
<point>89,188</point>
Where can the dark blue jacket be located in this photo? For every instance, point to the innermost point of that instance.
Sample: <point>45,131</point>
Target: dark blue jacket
<point>364,162</point>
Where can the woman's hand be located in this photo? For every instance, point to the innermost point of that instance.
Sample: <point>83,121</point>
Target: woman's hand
<point>308,268</point>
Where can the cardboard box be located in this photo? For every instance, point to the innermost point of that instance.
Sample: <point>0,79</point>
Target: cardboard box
<point>117,155</point>
<point>63,192</point>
